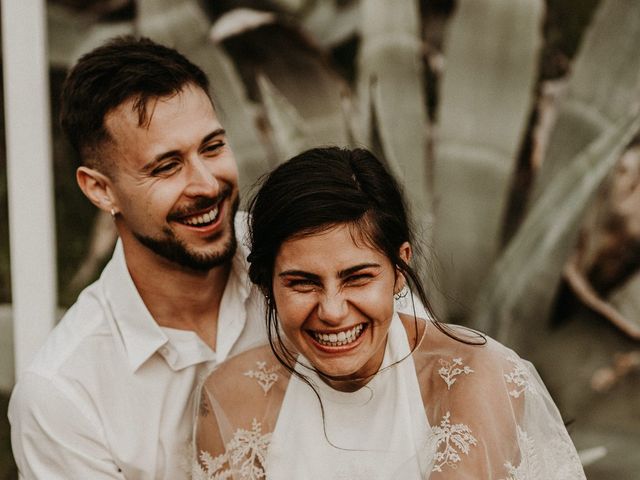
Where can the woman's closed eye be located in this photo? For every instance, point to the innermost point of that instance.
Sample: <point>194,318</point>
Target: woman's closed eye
<point>358,279</point>
<point>302,284</point>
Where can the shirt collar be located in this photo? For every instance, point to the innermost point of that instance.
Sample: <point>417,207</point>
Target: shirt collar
<point>232,315</point>
<point>141,335</point>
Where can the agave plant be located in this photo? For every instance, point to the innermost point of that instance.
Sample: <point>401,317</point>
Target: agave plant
<point>278,94</point>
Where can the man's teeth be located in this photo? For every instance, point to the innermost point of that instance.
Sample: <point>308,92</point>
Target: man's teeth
<point>337,339</point>
<point>203,219</point>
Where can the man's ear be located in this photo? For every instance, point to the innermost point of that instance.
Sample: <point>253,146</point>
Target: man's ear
<point>97,187</point>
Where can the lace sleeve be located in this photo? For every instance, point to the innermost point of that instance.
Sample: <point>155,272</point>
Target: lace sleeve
<point>238,407</point>
<point>491,416</point>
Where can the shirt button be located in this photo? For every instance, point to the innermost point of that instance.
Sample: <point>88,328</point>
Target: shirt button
<point>164,351</point>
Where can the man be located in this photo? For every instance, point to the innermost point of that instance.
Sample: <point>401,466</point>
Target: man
<point>109,396</point>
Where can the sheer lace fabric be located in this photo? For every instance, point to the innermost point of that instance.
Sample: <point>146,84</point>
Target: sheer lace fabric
<point>446,411</point>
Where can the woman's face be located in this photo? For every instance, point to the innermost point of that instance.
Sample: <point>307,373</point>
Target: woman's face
<point>334,297</point>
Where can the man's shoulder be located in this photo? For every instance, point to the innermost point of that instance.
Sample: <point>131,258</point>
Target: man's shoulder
<point>68,357</point>
<point>75,337</point>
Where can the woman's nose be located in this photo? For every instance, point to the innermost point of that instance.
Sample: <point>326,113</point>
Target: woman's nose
<point>333,308</point>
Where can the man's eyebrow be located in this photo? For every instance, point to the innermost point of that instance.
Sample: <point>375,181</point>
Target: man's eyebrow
<point>216,133</point>
<point>351,270</point>
<point>172,153</point>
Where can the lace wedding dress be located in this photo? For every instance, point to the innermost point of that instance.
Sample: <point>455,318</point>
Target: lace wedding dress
<point>446,411</point>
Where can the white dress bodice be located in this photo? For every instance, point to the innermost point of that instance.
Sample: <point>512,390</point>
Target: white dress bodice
<point>377,432</point>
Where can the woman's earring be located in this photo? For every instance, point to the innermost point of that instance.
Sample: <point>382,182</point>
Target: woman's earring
<point>401,297</point>
<point>113,213</point>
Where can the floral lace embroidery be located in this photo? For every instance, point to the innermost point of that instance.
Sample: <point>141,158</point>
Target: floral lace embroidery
<point>450,370</point>
<point>519,377</point>
<point>527,469</point>
<point>211,468</point>
<point>245,456</point>
<point>451,440</point>
<point>266,376</point>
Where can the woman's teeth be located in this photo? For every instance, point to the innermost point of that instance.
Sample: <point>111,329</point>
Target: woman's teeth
<point>337,339</point>
<point>203,219</point>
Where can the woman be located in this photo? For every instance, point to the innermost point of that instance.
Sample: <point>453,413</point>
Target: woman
<point>348,387</point>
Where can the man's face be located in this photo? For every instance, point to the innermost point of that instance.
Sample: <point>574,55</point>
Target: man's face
<point>175,179</point>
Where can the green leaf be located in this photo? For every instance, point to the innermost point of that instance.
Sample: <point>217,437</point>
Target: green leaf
<point>517,296</point>
<point>603,88</point>
<point>330,24</point>
<point>237,114</point>
<point>626,300</point>
<point>391,86</point>
<point>180,24</point>
<point>299,71</point>
<point>184,25</point>
<point>288,128</point>
<point>491,53</point>
<point>72,34</point>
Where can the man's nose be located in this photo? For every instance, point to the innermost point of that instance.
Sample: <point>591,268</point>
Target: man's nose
<point>201,180</point>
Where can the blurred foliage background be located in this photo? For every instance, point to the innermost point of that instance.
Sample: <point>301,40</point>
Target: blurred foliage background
<point>513,125</point>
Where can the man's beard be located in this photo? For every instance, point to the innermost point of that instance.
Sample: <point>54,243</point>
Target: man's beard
<point>175,250</point>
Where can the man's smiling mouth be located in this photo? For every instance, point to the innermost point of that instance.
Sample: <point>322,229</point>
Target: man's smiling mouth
<point>202,219</point>
<point>204,211</point>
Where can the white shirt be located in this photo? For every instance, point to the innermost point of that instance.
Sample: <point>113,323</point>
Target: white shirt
<point>110,394</point>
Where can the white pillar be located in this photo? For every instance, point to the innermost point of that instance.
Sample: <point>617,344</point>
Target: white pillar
<point>29,175</point>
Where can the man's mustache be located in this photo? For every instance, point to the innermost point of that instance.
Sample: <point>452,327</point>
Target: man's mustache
<point>199,204</point>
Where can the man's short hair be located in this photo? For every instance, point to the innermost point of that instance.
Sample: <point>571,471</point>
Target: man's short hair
<point>123,68</point>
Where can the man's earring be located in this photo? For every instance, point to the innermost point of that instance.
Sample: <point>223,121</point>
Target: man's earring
<point>113,212</point>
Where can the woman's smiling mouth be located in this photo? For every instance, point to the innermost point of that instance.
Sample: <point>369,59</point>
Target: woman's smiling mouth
<point>335,339</point>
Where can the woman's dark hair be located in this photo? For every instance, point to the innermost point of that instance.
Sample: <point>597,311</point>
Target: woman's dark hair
<point>321,188</point>
<point>313,192</point>
<point>316,190</point>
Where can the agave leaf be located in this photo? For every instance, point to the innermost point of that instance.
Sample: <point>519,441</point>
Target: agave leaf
<point>177,23</point>
<point>623,296</point>
<point>517,296</point>
<point>73,34</point>
<point>491,53</point>
<point>293,6</point>
<point>331,25</point>
<point>238,115</point>
<point>66,29</point>
<point>391,85</point>
<point>289,130</point>
<point>184,25</point>
<point>626,301</point>
<point>282,53</point>
<point>609,244</point>
<point>604,86</point>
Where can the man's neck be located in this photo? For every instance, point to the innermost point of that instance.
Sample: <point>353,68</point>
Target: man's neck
<point>178,297</point>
